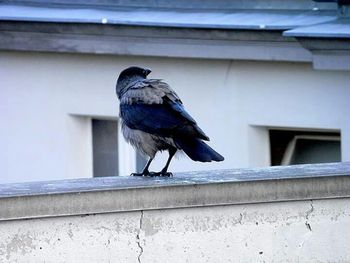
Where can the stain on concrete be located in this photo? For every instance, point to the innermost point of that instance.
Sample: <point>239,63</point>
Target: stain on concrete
<point>70,233</point>
<point>154,224</point>
<point>20,243</point>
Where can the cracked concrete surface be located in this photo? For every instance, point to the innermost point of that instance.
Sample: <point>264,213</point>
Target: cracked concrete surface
<point>234,233</point>
<point>308,213</point>
<point>138,238</point>
<point>270,232</point>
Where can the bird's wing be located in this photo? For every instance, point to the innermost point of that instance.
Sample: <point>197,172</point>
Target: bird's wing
<point>149,91</point>
<point>153,107</point>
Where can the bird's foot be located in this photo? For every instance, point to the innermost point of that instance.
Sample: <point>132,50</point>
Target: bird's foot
<point>153,174</point>
<point>144,173</point>
<point>165,174</point>
<point>137,174</point>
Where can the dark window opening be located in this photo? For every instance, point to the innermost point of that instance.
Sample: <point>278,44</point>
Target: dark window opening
<point>302,147</point>
<point>105,147</point>
<point>141,161</point>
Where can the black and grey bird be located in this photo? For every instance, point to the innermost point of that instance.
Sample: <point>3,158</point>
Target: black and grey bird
<point>154,119</point>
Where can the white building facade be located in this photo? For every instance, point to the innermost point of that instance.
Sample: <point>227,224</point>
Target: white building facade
<point>51,91</point>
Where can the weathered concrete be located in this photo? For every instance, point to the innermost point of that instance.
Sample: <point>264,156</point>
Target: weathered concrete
<point>300,231</point>
<point>303,231</point>
<point>222,216</point>
<point>100,238</point>
<point>226,187</point>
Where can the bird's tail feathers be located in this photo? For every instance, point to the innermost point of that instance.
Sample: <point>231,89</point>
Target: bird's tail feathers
<point>198,150</point>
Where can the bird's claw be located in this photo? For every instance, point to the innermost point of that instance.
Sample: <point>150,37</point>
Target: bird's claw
<point>140,174</point>
<point>153,174</point>
<point>165,174</point>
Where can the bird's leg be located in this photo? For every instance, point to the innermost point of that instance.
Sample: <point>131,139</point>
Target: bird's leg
<point>145,171</point>
<point>164,171</point>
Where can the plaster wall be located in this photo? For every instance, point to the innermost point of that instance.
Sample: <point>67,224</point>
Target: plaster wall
<point>47,101</point>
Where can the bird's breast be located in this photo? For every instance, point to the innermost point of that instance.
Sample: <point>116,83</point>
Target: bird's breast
<point>146,143</point>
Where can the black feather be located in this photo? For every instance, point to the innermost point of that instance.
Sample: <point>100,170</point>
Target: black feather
<point>198,150</point>
<point>161,119</point>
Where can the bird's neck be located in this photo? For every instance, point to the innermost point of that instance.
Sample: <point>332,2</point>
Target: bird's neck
<point>124,84</point>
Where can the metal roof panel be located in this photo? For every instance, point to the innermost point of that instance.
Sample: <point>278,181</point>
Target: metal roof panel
<point>335,29</point>
<point>238,19</point>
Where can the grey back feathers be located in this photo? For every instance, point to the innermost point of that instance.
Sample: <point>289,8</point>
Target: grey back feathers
<point>148,91</point>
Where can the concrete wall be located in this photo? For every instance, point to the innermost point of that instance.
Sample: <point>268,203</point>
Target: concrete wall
<point>46,101</point>
<point>304,231</point>
<point>280,214</point>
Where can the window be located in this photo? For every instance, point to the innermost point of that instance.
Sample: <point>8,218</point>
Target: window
<point>301,147</point>
<point>112,157</point>
<point>105,147</point>
<point>140,162</point>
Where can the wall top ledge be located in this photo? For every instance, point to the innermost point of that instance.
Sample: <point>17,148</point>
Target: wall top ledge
<point>191,189</point>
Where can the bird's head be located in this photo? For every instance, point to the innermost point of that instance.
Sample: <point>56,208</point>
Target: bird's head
<point>129,75</point>
<point>134,72</point>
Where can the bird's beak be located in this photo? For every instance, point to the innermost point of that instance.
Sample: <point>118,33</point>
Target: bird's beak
<point>147,71</point>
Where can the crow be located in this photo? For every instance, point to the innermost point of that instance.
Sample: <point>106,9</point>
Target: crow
<point>154,119</point>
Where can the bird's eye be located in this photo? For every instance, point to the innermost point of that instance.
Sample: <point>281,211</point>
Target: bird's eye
<point>146,72</point>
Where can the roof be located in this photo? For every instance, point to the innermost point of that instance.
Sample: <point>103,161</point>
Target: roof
<point>339,28</point>
<point>277,30</point>
<point>232,19</point>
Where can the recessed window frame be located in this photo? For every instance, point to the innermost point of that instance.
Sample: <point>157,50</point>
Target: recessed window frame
<point>127,156</point>
<point>302,134</point>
